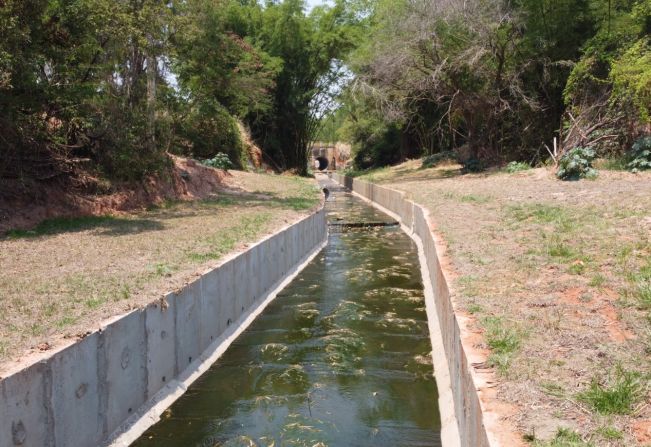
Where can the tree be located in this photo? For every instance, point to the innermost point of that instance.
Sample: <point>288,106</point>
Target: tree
<point>309,47</point>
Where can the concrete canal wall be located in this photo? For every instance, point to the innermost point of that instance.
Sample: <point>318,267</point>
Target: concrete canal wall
<point>108,387</point>
<point>465,419</point>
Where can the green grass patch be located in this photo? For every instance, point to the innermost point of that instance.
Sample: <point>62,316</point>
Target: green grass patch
<point>503,340</point>
<point>643,294</point>
<point>610,433</point>
<point>598,280</point>
<point>474,198</point>
<point>224,241</point>
<point>469,285</point>
<point>556,247</point>
<point>474,309</point>
<point>63,224</point>
<point>611,164</point>
<point>66,321</point>
<point>617,394</point>
<point>368,175</point>
<point>163,269</point>
<point>564,437</point>
<point>553,389</point>
<point>540,213</point>
<point>110,225</point>
<point>516,166</point>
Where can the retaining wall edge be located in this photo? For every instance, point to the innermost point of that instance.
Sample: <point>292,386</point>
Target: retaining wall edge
<point>108,387</point>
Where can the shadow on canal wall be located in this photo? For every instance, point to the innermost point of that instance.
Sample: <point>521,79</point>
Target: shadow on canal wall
<point>463,405</point>
<point>113,384</point>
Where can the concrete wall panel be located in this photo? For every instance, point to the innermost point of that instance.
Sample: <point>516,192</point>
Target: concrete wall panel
<point>188,327</point>
<point>226,281</point>
<point>126,367</point>
<point>285,253</point>
<point>292,241</point>
<point>78,404</point>
<point>210,312</point>
<point>23,417</point>
<point>242,284</point>
<point>265,257</point>
<point>161,344</point>
<point>256,286</point>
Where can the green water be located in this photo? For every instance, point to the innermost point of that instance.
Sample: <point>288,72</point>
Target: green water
<point>340,358</point>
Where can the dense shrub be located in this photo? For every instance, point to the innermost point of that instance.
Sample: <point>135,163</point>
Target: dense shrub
<point>640,155</point>
<point>473,165</point>
<point>576,164</point>
<point>379,149</point>
<point>211,130</point>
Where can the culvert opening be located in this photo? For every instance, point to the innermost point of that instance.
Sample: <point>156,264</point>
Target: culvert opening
<point>321,163</point>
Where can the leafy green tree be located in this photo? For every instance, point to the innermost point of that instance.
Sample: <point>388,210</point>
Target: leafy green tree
<point>309,47</point>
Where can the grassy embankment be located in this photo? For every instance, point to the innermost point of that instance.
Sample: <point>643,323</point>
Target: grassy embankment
<point>557,276</point>
<point>66,275</point>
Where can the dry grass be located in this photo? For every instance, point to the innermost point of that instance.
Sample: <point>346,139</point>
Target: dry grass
<point>67,275</point>
<point>569,265</point>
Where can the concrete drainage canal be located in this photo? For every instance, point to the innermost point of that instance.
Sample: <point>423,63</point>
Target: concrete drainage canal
<point>340,358</point>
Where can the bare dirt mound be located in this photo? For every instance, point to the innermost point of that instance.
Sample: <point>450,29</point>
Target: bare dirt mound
<point>23,206</point>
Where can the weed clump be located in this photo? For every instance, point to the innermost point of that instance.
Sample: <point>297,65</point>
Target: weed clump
<point>517,166</point>
<point>640,155</point>
<point>503,340</point>
<point>564,437</point>
<point>219,161</point>
<point>576,164</point>
<point>617,395</point>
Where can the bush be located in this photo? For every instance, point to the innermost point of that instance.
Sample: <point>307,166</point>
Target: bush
<point>576,164</point>
<point>211,130</point>
<point>640,155</point>
<point>434,160</point>
<point>377,150</point>
<point>219,161</point>
<point>473,165</point>
<point>517,166</point>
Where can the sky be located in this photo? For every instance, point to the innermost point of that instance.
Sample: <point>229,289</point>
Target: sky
<point>312,3</point>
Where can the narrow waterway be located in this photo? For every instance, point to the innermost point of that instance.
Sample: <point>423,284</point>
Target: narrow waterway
<point>340,358</point>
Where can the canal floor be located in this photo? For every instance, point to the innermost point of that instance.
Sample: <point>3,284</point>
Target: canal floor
<point>340,358</point>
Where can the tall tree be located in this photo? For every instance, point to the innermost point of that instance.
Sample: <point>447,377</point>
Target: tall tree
<point>309,47</point>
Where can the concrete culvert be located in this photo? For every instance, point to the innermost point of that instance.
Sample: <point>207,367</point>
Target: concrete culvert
<point>322,163</point>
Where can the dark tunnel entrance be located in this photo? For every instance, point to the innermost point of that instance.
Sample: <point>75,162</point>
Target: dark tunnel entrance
<point>322,163</point>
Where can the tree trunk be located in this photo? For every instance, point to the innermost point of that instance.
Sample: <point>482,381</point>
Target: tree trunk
<point>151,96</point>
